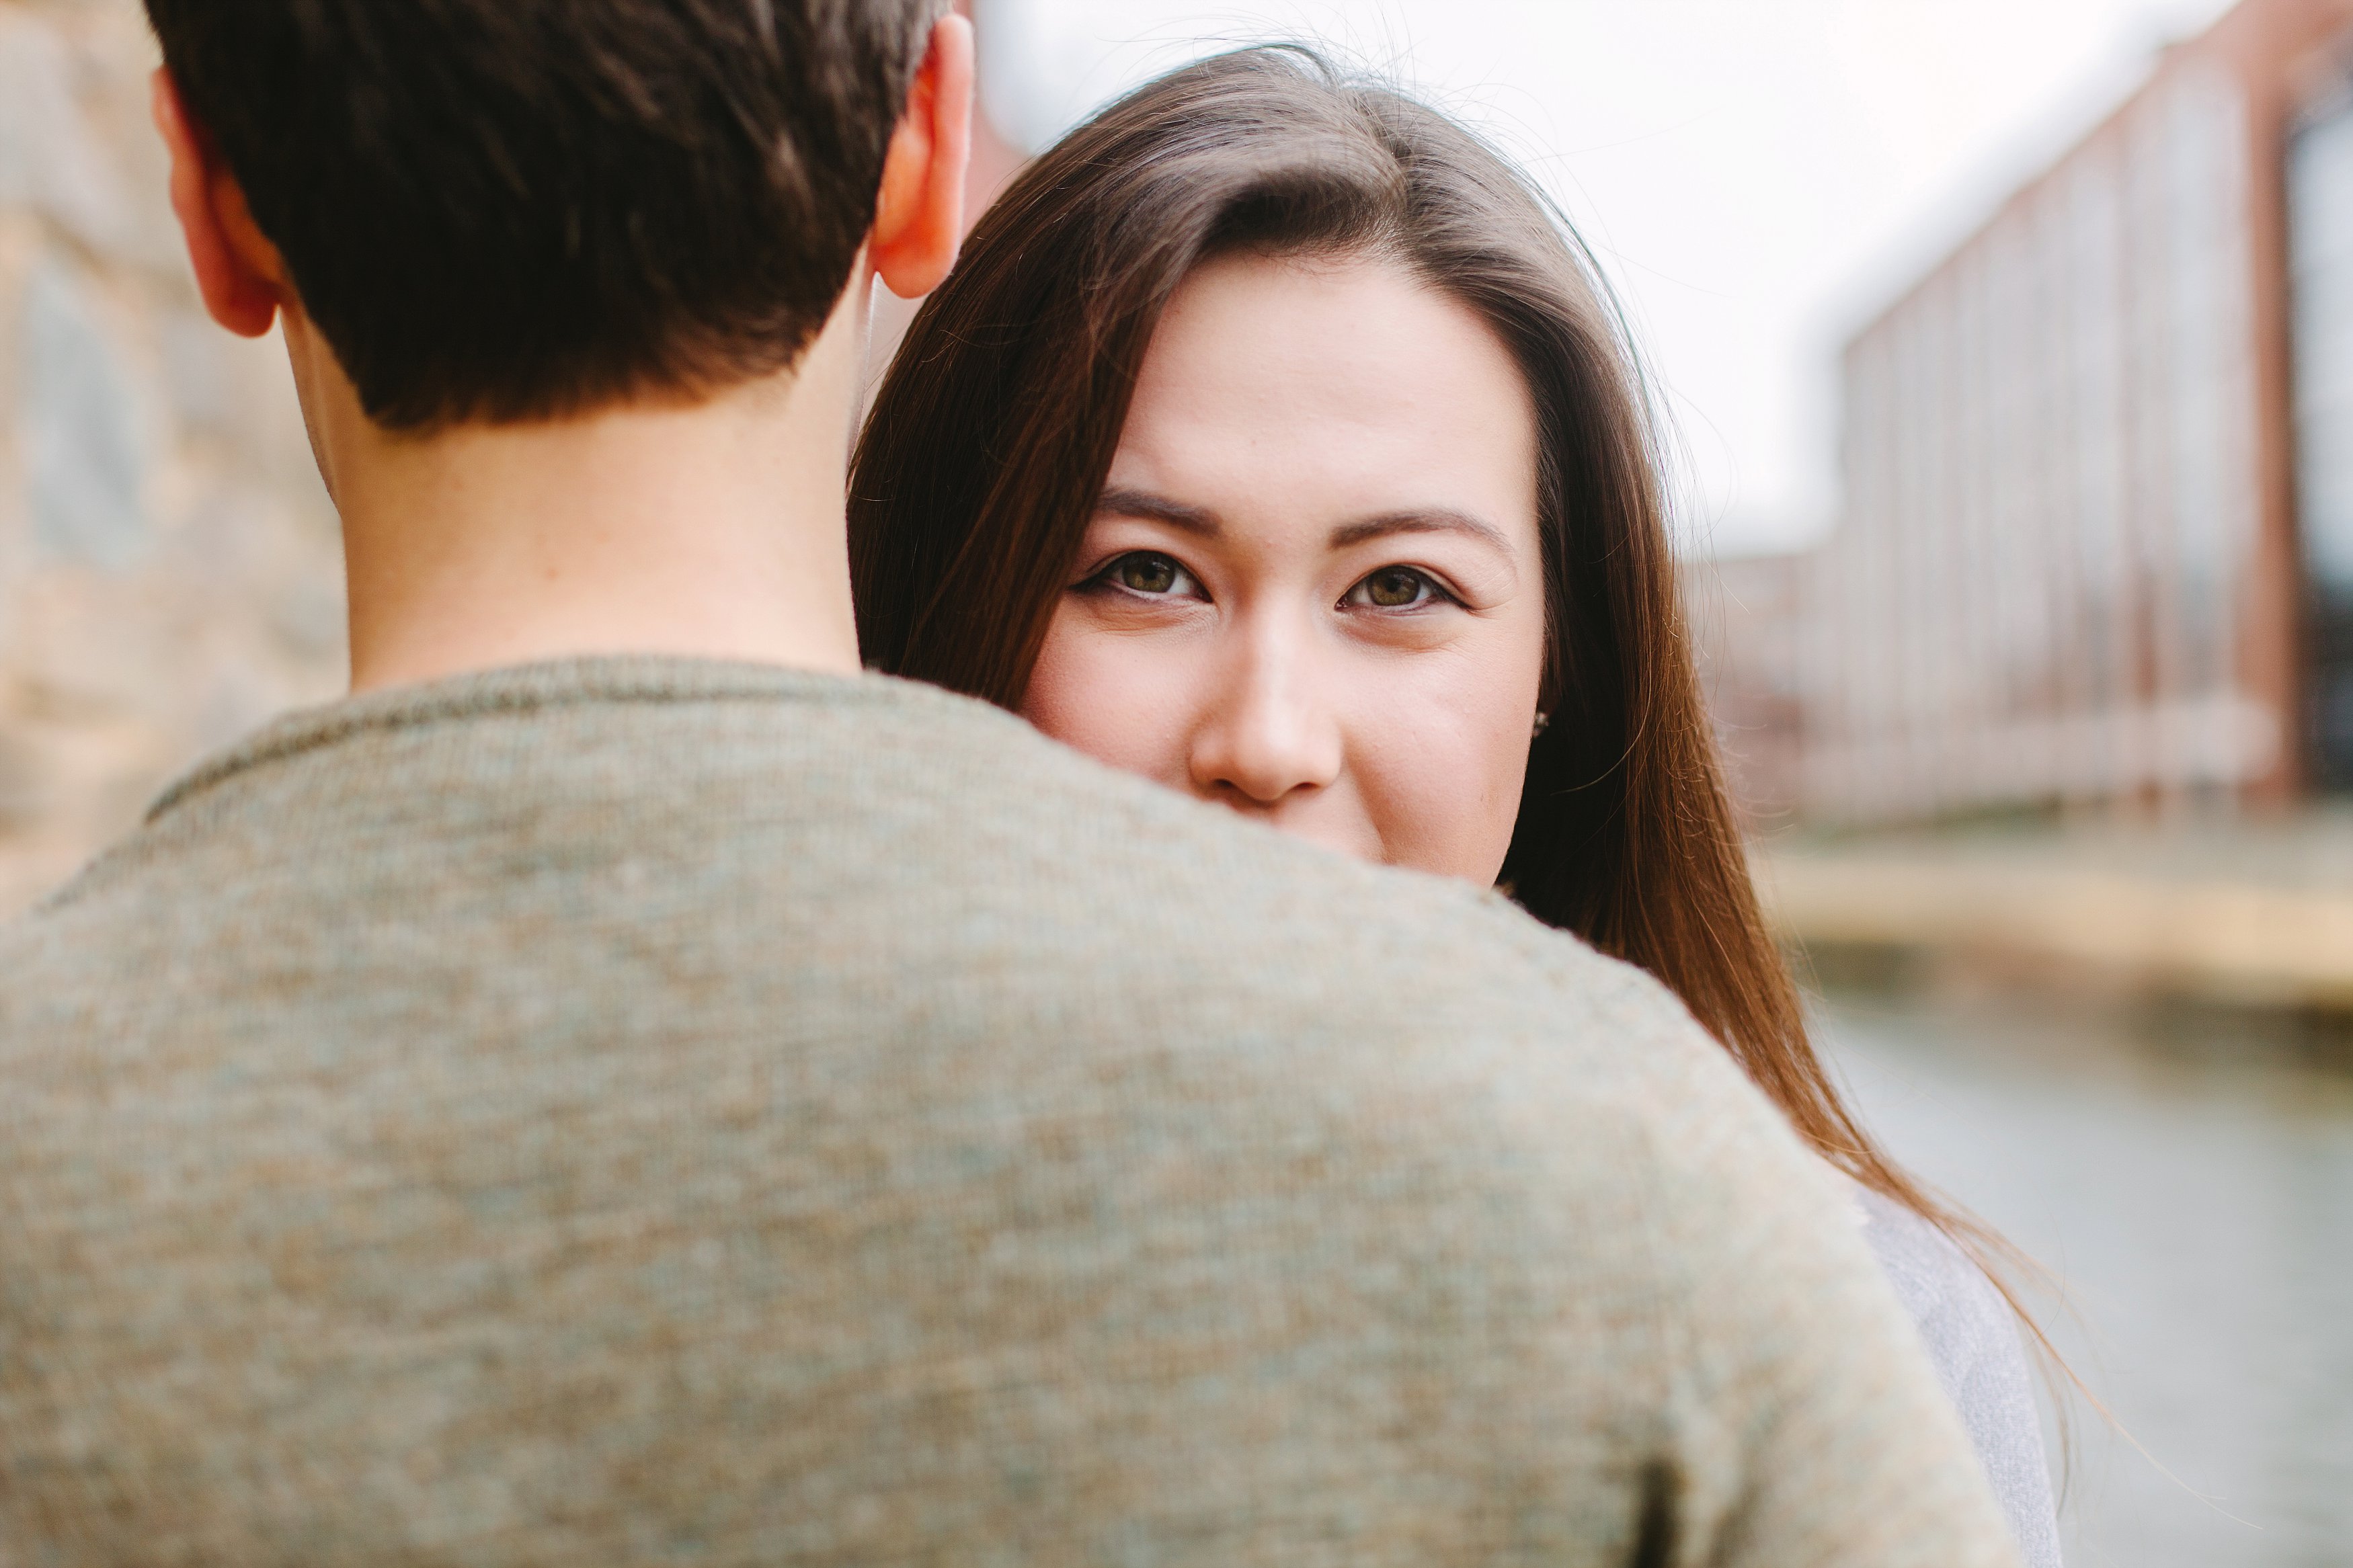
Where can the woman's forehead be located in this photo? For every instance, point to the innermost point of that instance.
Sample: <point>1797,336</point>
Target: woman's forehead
<point>1350,382</point>
<point>1363,333</point>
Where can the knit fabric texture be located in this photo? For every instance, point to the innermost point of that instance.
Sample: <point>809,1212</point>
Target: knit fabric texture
<point>643,1110</point>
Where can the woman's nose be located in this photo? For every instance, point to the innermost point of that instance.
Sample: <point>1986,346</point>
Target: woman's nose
<point>1270,732</point>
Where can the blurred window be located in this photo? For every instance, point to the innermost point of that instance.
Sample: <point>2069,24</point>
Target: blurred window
<point>2320,223</point>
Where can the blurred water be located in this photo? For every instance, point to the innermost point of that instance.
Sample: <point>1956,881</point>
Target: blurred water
<point>2194,1195</point>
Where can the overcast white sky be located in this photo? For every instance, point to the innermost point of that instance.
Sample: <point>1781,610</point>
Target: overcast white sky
<point>1757,175</point>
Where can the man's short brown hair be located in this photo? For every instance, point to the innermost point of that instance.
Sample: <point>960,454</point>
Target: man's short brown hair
<point>514,209</point>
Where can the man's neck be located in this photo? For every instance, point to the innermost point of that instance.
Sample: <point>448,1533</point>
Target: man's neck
<point>713,530</point>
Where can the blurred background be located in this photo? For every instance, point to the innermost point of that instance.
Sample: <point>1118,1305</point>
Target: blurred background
<point>2008,348</point>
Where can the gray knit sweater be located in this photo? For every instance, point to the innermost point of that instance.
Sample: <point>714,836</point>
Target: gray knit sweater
<point>635,1111</point>
<point>1971,1337</point>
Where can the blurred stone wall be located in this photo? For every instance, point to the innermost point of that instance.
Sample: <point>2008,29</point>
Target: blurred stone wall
<point>170,573</point>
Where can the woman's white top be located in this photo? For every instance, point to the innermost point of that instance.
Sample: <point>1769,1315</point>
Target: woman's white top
<point>1972,1337</point>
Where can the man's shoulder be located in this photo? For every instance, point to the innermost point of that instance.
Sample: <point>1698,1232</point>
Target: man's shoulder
<point>1223,900</point>
<point>908,905</point>
<point>787,836</point>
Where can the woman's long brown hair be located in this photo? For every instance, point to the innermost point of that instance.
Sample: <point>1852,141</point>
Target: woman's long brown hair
<point>989,440</point>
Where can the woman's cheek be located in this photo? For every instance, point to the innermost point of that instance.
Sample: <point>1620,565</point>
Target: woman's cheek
<point>1457,759</point>
<point>1117,696</point>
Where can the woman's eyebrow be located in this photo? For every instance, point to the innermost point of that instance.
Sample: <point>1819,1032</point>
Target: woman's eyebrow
<point>1426,520</point>
<point>1159,509</point>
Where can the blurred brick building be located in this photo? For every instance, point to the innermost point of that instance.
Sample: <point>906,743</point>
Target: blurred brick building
<point>1747,620</point>
<point>2097,543</point>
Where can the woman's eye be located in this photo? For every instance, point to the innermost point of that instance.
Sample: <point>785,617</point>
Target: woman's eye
<point>1146,572</point>
<point>1394,588</point>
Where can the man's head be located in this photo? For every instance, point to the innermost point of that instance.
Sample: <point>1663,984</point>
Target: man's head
<point>515,209</point>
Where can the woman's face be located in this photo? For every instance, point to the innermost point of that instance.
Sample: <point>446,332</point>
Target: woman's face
<point>1313,589</point>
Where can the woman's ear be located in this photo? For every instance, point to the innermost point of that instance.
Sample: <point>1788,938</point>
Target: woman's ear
<point>238,271</point>
<point>919,220</point>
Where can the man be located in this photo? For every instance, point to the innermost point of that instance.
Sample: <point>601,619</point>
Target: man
<point>625,1088</point>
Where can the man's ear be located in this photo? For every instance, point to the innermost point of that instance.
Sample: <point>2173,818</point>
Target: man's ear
<point>238,271</point>
<point>919,221</point>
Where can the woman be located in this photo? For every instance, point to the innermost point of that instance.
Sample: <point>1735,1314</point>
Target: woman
<point>1273,440</point>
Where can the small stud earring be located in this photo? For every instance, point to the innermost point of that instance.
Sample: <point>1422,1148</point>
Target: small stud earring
<point>1542,719</point>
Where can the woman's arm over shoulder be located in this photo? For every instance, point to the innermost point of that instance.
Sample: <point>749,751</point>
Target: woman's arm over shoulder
<point>1972,1339</point>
